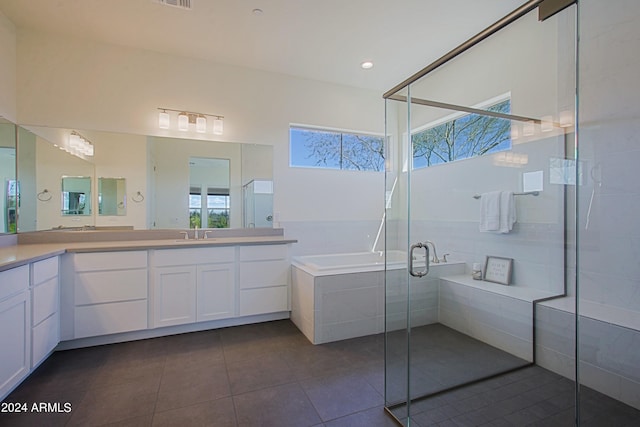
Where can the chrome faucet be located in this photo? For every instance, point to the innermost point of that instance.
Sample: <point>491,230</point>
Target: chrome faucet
<point>434,258</point>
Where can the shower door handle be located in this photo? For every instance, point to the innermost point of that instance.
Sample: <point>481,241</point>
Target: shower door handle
<point>420,273</point>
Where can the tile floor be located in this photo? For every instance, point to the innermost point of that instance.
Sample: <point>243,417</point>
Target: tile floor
<point>269,375</point>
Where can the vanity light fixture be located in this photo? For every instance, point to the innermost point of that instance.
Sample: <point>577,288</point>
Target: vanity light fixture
<point>188,118</point>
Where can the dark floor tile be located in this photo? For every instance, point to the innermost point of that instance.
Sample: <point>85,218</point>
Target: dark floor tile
<point>336,396</point>
<point>115,403</point>
<point>142,421</point>
<point>217,413</point>
<point>138,371</point>
<point>280,406</point>
<point>181,387</point>
<point>565,418</point>
<point>30,419</point>
<point>374,417</point>
<point>258,372</point>
<point>314,361</point>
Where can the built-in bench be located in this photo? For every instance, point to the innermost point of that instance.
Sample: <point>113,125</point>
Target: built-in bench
<point>609,346</point>
<point>503,317</point>
<point>499,315</point>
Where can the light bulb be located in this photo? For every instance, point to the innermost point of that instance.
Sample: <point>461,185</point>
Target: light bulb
<point>74,140</point>
<point>201,124</point>
<point>183,122</point>
<point>163,120</point>
<point>218,126</point>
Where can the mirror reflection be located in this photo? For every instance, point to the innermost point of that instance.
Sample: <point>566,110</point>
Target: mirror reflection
<point>76,195</point>
<point>156,188</point>
<point>258,204</point>
<point>112,197</point>
<point>209,199</point>
<point>10,193</point>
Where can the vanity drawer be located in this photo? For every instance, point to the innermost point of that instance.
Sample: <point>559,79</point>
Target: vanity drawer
<point>110,260</point>
<point>44,300</point>
<point>191,256</point>
<point>264,252</point>
<point>45,337</point>
<point>13,281</point>
<point>103,319</point>
<point>260,274</point>
<point>96,287</point>
<point>264,300</point>
<point>44,270</point>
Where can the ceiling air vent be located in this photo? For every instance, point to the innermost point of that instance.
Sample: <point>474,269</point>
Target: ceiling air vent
<point>182,4</point>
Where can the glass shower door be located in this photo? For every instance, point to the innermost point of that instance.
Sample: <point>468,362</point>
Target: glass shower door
<point>479,172</point>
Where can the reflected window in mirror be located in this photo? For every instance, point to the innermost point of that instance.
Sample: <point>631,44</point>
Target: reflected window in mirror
<point>209,209</point>
<point>209,195</point>
<point>112,197</point>
<point>76,195</point>
<point>12,195</point>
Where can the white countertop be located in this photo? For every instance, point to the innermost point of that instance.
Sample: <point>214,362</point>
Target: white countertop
<point>17,255</point>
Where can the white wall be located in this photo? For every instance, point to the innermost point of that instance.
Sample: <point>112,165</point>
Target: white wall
<point>72,83</point>
<point>7,68</point>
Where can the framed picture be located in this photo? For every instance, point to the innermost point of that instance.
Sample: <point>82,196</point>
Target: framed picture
<point>498,270</point>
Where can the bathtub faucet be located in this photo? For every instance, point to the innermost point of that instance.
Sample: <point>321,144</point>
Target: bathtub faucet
<point>434,258</point>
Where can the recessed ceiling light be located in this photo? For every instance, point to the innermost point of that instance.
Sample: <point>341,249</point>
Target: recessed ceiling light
<point>366,65</point>
<point>257,12</point>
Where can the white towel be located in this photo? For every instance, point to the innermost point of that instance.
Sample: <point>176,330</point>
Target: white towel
<point>490,211</point>
<point>507,211</point>
<point>497,211</point>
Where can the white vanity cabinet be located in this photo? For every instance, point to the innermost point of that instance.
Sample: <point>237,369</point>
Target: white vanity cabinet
<point>193,285</point>
<point>15,327</point>
<point>110,292</point>
<point>45,304</point>
<point>264,279</point>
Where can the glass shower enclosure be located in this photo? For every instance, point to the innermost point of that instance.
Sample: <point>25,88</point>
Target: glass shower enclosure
<point>481,180</point>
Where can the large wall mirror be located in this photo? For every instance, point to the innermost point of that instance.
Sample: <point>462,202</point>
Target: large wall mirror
<point>136,181</point>
<point>10,191</point>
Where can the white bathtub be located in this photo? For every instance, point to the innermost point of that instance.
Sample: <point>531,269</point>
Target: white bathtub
<point>341,296</point>
<point>356,262</point>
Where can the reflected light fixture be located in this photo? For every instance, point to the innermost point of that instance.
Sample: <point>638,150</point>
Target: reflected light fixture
<point>188,118</point>
<point>78,145</point>
<point>528,128</point>
<point>566,119</point>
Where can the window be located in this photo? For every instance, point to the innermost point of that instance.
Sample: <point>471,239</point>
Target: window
<point>463,137</point>
<point>212,206</point>
<point>335,150</point>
